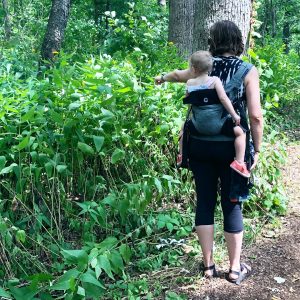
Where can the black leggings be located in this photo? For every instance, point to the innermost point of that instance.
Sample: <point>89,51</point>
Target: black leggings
<point>209,161</point>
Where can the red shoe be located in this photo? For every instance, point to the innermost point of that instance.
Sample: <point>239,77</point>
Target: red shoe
<point>241,168</point>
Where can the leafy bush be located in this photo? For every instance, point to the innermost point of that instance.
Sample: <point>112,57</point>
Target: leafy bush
<point>89,194</point>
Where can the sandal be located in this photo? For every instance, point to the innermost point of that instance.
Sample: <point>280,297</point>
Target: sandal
<point>241,275</point>
<point>214,273</point>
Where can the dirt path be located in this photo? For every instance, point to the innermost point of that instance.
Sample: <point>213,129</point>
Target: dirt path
<point>278,256</point>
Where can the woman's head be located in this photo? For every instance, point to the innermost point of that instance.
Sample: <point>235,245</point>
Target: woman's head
<point>225,37</point>
<point>201,62</point>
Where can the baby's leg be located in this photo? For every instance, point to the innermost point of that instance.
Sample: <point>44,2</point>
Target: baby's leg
<point>239,144</point>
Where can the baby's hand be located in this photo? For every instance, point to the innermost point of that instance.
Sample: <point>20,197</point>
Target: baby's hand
<point>158,80</point>
<point>237,120</point>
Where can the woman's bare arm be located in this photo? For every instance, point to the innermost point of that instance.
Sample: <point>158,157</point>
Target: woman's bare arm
<point>254,110</point>
<point>175,76</point>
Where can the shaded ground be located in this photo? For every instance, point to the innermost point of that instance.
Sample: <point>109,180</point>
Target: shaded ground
<point>276,255</point>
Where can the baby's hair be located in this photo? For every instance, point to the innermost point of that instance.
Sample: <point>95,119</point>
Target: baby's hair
<point>201,61</point>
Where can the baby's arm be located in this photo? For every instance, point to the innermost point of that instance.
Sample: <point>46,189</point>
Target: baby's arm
<point>226,101</point>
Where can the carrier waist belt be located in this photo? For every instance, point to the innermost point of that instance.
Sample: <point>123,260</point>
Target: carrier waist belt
<point>202,97</point>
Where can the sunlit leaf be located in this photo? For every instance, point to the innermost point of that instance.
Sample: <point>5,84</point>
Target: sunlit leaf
<point>117,155</point>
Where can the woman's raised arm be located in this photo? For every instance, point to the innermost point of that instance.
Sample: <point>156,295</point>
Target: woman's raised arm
<point>254,110</point>
<point>175,76</point>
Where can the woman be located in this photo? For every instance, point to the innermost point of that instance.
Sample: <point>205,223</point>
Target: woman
<point>210,156</point>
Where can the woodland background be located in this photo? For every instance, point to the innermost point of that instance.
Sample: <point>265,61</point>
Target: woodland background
<point>91,204</point>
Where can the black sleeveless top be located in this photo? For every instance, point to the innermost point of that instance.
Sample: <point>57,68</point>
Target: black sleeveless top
<point>225,67</point>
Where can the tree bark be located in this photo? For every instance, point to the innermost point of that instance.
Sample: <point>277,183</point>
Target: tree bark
<point>286,32</point>
<point>190,21</point>
<point>7,20</point>
<point>57,24</point>
<point>97,10</point>
<point>273,18</point>
<point>181,25</point>
<point>210,11</point>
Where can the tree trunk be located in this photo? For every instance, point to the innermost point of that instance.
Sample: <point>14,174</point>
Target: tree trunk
<point>7,20</point>
<point>57,24</point>
<point>97,10</point>
<point>273,18</point>
<point>265,22</point>
<point>191,33</point>
<point>286,32</point>
<point>181,25</point>
<point>210,11</point>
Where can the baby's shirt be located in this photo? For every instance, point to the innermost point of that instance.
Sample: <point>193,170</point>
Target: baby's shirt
<point>207,85</point>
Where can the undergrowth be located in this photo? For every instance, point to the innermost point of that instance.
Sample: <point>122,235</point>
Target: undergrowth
<point>90,199</point>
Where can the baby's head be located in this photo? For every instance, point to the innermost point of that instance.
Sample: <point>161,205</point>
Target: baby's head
<point>201,62</point>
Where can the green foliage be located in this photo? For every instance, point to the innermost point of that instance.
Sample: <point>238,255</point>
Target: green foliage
<point>274,17</point>
<point>89,195</point>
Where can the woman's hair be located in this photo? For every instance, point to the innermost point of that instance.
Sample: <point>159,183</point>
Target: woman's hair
<point>225,36</point>
<point>201,61</point>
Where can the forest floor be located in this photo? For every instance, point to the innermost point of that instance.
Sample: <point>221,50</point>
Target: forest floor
<point>275,255</point>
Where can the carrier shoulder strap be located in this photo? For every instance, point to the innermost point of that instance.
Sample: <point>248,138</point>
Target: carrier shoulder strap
<point>238,77</point>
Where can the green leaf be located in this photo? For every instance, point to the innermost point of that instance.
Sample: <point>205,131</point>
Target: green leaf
<point>106,113</point>
<point>45,296</point>
<point>123,207</point>
<point>65,281</point>
<point>124,90</point>
<point>104,264</point>
<point>78,257</point>
<point>170,226</point>
<point>117,155</point>
<point>27,292</point>
<point>85,148</point>
<point>89,278</point>
<point>98,141</point>
<point>49,168</point>
<point>4,294</point>
<point>8,169</point>
<point>2,162</point>
<point>125,252</point>
<point>117,261</point>
<point>98,271</point>
<point>74,105</point>
<point>24,143</point>
<point>108,243</point>
<point>41,277</point>
<point>21,236</point>
<point>81,291</point>
<point>110,200</point>
<point>56,117</point>
<point>61,168</point>
<point>29,116</point>
<point>158,185</point>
